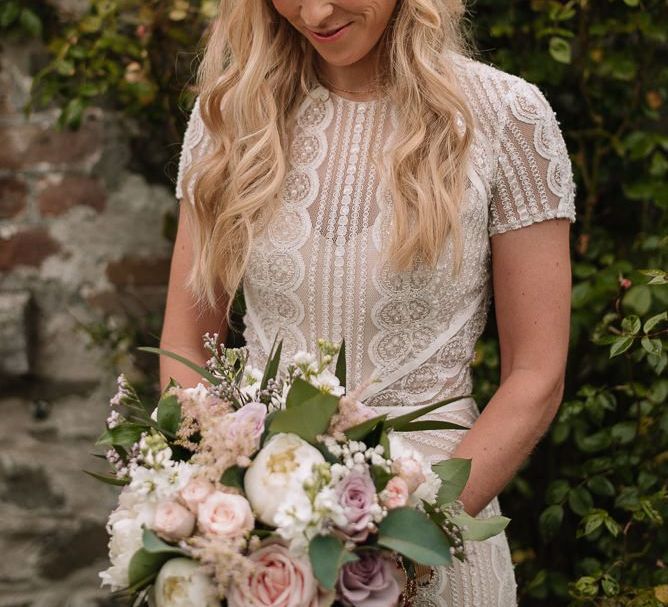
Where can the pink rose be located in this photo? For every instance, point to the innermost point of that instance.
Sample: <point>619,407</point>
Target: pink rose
<point>410,470</point>
<point>173,522</point>
<point>249,421</point>
<point>357,495</point>
<point>279,580</point>
<point>372,581</point>
<point>195,492</point>
<point>226,515</point>
<point>395,494</point>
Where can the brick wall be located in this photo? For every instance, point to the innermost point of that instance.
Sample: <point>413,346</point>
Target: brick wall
<point>81,237</point>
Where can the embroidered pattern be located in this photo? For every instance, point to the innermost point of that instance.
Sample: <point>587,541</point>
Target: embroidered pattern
<point>316,271</point>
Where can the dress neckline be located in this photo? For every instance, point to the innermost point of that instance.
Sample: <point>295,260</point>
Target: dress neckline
<point>321,92</point>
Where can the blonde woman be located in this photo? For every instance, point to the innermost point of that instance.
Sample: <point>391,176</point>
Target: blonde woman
<point>362,176</point>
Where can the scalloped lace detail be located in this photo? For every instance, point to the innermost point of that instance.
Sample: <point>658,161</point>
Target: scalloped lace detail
<point>315,268</point>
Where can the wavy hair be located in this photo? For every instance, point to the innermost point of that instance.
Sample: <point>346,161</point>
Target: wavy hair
<point>254,73</point>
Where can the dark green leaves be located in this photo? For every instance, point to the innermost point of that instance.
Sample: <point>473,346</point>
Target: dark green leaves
<point>328,555</point>
<point>308,413</point>
<point>416,536</point>
<point>454,473</point>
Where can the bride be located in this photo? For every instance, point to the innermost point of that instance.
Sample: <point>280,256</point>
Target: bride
<point>361,176</point>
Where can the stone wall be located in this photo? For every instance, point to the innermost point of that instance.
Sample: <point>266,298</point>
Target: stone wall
<point>81,241</point>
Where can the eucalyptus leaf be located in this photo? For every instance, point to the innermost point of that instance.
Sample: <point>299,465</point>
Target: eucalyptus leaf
<point>479,529</point>
<point>307,418</point>
<point>154,545</point>
<point>328,555</point>
<point>453,473</point>
<point>414,535</point>
<point>169,413</point>
<point>204,373</point>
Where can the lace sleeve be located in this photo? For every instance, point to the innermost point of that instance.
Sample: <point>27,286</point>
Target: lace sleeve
<point>196,143</point>
<point>534,178</point>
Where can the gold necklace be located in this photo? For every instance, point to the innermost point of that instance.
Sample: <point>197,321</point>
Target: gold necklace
<point>347,90</point>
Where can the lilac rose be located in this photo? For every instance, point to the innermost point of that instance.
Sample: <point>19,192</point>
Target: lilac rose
<point>357,494</point>
<point>372,581</point>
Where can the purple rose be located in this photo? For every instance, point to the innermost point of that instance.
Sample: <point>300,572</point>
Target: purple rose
<point>372,581</point>
<point>357,495</point>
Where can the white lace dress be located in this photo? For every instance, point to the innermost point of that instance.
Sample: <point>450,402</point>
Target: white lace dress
<point>315,270</point>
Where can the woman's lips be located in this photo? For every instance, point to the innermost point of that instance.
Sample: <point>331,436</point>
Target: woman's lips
<point>330,36</point>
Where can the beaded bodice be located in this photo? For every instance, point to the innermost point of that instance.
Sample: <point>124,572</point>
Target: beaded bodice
<point>315,269</point>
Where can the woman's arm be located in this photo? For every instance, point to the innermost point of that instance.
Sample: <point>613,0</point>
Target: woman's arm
<point>532,292</point>
<point>184,325</point>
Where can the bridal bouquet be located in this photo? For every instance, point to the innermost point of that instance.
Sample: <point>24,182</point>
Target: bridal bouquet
<point>271,489</point>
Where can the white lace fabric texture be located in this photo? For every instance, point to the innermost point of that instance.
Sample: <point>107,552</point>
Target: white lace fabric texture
<point>315,270</point>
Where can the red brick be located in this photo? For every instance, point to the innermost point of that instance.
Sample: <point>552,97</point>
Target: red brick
<point>70,192</point>
<point>26,145</point>
<point>13,194</point>
<point>141,271</point>
<point>29,247</point>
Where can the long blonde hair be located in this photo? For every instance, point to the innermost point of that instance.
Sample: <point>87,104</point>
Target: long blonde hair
<point>255,70</point>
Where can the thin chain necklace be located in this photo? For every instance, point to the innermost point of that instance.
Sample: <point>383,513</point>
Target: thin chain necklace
<point>347,90</point>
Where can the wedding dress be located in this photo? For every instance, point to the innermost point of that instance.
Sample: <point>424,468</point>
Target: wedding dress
<point>315,270</point>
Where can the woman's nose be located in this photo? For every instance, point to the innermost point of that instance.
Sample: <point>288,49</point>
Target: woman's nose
<point>315,12</point>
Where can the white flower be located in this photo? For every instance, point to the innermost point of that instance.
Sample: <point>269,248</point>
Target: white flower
<point>278,472</point>
<point>305,359</point>
<point>182,583</point>
<point>426,490</point>
<point>125,530</point>
<point>250,382</point>
<point>328,382</point>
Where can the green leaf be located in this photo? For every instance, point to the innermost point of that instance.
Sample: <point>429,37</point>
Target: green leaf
<point>479,529</point>
<point>651,346</point>
<point>110,480</point>
<point>154,545</point>
<point>360,431</point>
<point>380,477</point>
<point>580,501</point>
<point>621,345</point>
<point>169,413</point>
<point>557,491</point>
<point>182,359</point>
<point>650,323</point>
<point>300,391</point>
<point>638,298</point>
<point>8,13</point>
<point>430,424</point>
<point>453,473</point>
<point>233,477</point>
<point>631,324</point>
<point>328,555</point>
<point>550,520</point>
<point>560,49</point>
<point>144,566</point>
<point>31,22</point>
<point>272,364</point>
<point>398,422</point>
<point>341,364</point>
<point>600,485</point>
<point>124,435</point>
<point>413,534</point>
<point>307,419</point>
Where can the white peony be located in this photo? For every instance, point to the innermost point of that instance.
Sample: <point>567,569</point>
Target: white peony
<point>182,583</point>
<point>277,473</point>
<point>125,530</point>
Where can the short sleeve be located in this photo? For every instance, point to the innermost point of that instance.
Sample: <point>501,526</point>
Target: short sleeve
<point>196,142</point>
<point>534,176</point>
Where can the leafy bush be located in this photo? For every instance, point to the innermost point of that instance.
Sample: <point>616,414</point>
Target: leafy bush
<point>593,495</point>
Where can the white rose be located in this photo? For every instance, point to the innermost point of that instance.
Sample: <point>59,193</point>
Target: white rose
<point>226,515</point>
<point>182,583</point>
<point>173,522</point>
<point>279,471</point>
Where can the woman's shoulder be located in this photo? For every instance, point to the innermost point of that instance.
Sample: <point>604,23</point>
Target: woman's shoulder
<point>486,80</point>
